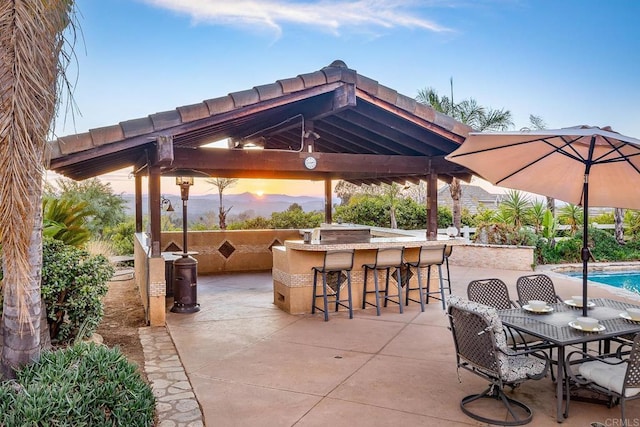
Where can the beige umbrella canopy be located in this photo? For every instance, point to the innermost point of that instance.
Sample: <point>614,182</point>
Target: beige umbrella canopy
<point>583,165</point>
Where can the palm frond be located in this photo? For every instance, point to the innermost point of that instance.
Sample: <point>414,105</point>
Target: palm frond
<point>31,40</point>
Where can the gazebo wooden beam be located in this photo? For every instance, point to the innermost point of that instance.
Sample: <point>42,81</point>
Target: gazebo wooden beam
<point>290,165</point>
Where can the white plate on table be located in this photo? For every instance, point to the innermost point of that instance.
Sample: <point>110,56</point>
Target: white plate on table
<point>598,328</point>
<point>572,303</point>
<point>547,309</point>
<point>625,315</point>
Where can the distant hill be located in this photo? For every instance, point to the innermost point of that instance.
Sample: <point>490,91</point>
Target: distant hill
<point>239,203</point>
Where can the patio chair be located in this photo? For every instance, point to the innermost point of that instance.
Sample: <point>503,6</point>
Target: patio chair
<point>494,293</point>
<point>616,378</point>
<point>429,256</point>
<point>481,348</point>
<point>336,264</point>
<point>536,287</point>
<point>491,292</point>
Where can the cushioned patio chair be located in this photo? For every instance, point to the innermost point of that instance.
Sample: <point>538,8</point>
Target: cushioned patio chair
<point>494,293</point>
<point>536,287</point>
<point>616,378</point>
<point>481,348</point>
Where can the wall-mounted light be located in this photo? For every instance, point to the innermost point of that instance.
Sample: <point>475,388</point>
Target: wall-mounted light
<point>166,202</point>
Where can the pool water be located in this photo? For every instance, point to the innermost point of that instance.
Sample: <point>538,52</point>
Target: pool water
<point>629,280</point>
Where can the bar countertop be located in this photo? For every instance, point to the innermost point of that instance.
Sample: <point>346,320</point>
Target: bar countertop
<point>374,243</point>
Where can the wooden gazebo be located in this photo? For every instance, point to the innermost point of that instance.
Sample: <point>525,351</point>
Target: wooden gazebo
<point>326,125</point>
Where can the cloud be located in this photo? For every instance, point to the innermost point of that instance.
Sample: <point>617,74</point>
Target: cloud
<point>327,15</point>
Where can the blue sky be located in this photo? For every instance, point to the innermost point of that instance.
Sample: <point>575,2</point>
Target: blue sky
<point>570,62</point>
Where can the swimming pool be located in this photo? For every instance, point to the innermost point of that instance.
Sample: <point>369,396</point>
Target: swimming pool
<point>629,280</point>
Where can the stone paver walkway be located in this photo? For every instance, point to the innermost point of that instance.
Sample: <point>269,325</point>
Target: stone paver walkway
<point>176,403</point>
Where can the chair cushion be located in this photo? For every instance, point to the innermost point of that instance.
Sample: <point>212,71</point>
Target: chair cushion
<point>519,367</point>
<point>607,376</point>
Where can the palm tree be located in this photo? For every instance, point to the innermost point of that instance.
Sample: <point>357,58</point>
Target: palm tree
<point>471,113</point>
<point>64,220</point>
<point>31,41</point>
<point>222,184</point>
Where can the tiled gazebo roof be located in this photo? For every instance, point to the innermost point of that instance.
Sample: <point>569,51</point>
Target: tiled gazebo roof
<point>351,114</point>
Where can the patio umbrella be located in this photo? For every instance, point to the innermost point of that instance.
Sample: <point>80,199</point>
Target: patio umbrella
<point>582,165</point>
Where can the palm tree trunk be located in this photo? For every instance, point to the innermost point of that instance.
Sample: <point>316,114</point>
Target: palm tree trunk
<point>618,215</point>
<point>551,205</point>
<point>456,195</point>
<point>22,338</point>
<point>392,215</point>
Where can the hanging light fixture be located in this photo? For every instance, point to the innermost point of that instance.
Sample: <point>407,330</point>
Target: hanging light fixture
<point>166,202</point>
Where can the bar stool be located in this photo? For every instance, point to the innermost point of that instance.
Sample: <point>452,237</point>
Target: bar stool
<point>429,256</point>
<point>447,253</point>
<point>386,259</point>
<point>335,263</point>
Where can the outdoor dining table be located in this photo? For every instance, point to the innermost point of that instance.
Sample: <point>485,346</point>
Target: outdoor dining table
<point>553,327</point>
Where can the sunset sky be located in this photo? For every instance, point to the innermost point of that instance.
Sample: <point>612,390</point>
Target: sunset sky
<point>570,62</point>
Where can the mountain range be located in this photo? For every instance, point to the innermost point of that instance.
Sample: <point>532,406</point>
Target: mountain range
<point>247,203</point>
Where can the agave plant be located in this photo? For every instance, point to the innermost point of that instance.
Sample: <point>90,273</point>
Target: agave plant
<point>571,215</point>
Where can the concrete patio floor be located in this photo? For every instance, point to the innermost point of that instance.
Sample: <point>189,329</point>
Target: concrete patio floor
<point>251,364</point>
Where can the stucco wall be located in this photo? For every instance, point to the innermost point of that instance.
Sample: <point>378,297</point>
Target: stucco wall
<point>225,251</point>
<point>493,256</point>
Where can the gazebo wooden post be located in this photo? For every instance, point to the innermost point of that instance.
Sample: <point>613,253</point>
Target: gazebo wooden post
<point>432,206</point>
<point>138,202</point>
<point>328,201</point>
<point>154,209</point>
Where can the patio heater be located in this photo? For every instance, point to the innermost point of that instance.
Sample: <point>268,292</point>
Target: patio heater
<point>185,268</point>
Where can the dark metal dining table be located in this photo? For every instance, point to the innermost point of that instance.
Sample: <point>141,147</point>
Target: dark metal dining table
<point>554,328</point>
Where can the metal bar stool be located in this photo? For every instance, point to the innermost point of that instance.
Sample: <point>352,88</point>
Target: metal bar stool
<point>336,263</point>
<point>386,259</point>
<point>447,253</point>
<point>428,257</point>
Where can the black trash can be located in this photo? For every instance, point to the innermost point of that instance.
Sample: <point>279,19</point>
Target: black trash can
<point>185,285</point>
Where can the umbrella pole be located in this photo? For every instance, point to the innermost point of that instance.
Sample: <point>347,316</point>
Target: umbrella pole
<point>585,254</point>
<point>585,244</point>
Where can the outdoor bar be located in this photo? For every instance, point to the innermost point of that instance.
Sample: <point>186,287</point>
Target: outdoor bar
<point>293,262</point>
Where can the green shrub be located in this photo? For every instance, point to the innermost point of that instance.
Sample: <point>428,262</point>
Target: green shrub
<point>121,237</point>
<point>73,285</point>
<point>296,217</point>
<point>568,250</point>
<point>365,210</point>
<point>604,246</point>
<point>445,217</point>
<point>257,223</point>
<point>83,385</point>
<point>504,234</point>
